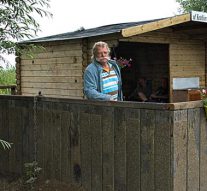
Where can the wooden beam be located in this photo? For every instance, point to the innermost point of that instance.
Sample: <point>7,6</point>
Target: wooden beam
<point>131,31</point>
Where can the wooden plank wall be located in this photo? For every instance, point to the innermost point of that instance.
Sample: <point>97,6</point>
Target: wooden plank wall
<point>56,71</point>
<point>187,59</point>
<point>107,146</point>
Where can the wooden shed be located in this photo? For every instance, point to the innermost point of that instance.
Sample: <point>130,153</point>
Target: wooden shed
<point>172,47</point>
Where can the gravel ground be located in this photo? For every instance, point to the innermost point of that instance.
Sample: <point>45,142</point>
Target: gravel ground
<point>8,184</point>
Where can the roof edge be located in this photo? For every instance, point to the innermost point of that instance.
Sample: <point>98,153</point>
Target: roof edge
<point>131,31</point>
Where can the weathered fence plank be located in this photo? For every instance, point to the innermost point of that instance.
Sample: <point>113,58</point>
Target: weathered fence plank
<point>15,131</point>
<point>75,155</point>
<point>162,147</point>
<point>96,155</point>
<point>108,149</point>
<point>47,121</point>
<point>65,147</point>
<point>180,150</point>
<point>119,149</point>
<point>193,150</point>
<point>147,149</point>
<point>4,155</point>
<point>203,151</point>
<point>133,149</point>
<point>56,144</point>
<point>39,125</point>
<point>86,155</point>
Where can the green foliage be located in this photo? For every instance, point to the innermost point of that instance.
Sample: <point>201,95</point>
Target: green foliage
<point>7,77</point>
<point>192,5</point>
<point>5,144</point>
<point>203,94</point>
<point>29,50</point>
<point>31,172</point>
<point>17,22</point>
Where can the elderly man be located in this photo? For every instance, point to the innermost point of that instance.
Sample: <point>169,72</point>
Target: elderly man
<point>102,78</point>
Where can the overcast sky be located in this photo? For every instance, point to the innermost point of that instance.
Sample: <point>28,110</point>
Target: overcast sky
<point>70,15</point>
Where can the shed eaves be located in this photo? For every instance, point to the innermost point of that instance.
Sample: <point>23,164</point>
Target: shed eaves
<point>102,30</point>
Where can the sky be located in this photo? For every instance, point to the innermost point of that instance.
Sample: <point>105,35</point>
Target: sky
<point>70,15</point>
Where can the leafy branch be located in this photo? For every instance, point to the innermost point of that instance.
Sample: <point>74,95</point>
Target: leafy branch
<point>17,22</point>
<point>192,5</point>
<point>5,144</point>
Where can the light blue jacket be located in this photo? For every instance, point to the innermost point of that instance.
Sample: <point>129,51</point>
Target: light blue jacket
<point>93,87</point>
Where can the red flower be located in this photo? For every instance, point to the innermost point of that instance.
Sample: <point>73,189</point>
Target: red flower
<point>122,62</point>
<point>203,93</point>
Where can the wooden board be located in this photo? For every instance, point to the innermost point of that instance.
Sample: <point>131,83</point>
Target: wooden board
<point>59,60</point>
<point>162,150</point>
<point>96,155</point>
<point>108,149</point>
<point>155,25</point>
<point>179,148</point>
<point>193,150</point>
<point>86,156</point>
<point>51,79</point>
<point>147,150</point>
<point>66,172</point>
<point>47,121</point>
<point>119,149</point>
<point>77,72</point>
<point>54,85</point>
<point>203,150</point>
<point>50,92</point>
<point>56,54</point>
<point>75,143</point>
<point>133,148</point>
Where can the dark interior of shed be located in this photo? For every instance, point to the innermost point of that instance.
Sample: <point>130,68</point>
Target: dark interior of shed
<point>149,60</point>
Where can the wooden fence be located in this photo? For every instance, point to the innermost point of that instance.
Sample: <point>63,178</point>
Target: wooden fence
<point>107,146</point>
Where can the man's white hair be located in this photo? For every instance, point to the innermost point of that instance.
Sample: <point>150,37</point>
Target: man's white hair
<point>99,44</point>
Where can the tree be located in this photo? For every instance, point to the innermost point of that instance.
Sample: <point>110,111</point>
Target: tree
<point>192,5</point>
<point>17,22</point>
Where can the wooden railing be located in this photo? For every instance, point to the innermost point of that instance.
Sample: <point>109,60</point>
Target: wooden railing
<point>8,89</point>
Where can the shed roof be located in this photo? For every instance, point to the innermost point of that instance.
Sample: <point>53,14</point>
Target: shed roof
<point>102,30</point>
<point>196,20</point>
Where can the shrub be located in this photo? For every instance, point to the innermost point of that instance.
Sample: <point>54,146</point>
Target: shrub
<point>7,77</point>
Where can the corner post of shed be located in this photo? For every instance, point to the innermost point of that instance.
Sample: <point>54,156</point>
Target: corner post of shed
<point>18,74</point>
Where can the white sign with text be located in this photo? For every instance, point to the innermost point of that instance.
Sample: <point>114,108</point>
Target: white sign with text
<point>199,16</point>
